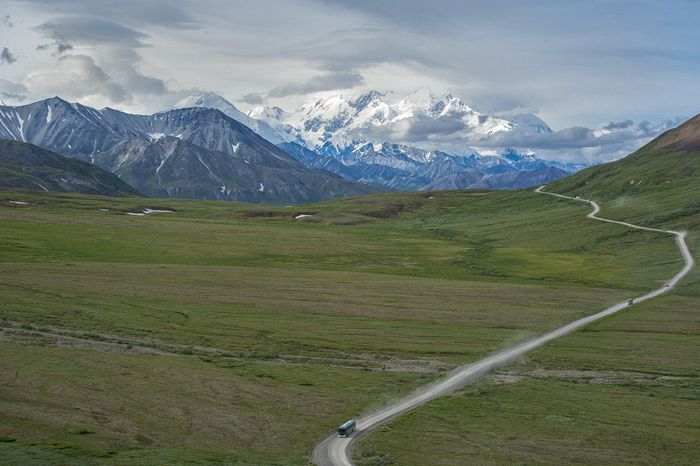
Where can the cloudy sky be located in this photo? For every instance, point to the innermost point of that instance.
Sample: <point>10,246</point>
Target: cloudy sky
<point>605,74</point>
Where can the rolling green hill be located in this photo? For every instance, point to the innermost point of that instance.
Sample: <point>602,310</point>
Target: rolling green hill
<point>27,166</point>
<point>658,184</point>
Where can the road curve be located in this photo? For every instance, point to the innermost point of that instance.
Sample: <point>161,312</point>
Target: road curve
<point>335,451</point>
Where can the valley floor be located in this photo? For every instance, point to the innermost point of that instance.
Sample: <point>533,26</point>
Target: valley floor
<point>225,332</point>
<point>624,390</point>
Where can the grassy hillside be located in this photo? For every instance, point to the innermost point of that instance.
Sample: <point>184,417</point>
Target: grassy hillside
<point>224,332</point>
<point>26,166</point>
<point>657,185</point>
<point>625,390</point>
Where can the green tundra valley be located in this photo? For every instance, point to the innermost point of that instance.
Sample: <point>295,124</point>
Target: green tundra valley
<point>349,233</point>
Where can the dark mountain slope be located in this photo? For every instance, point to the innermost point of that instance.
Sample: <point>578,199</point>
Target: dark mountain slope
<point>311,159</point>
<point>65,128</point>
<point>172,167</point>
<point>26,166</point>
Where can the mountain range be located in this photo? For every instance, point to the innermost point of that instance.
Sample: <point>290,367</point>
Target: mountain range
<point>348,137</point>
<point>330,124</point>
<point>189,152</point>
<point>205,147</point>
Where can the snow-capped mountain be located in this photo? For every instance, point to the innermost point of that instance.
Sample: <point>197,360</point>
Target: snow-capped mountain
<point>364,133</point>
<point>188,152</point>
<point>332,123</point>
<point>361,135</point>
<point>215,101</point>
<point>331,135</point>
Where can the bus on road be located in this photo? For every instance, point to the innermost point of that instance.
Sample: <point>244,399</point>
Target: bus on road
<point>346,429</point>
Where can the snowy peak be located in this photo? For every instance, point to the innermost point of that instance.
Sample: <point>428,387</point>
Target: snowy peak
<point>215,101</point>
<point>421,99</point>
<point>363,100</point>
<point>269,114</point>
<point>340,120</point>
<point>208,99</point>
<point>527,123</point>
<point>332,119</point>
<point>424,103</point>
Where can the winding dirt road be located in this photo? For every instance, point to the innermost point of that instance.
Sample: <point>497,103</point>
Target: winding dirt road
<point>335,451</point>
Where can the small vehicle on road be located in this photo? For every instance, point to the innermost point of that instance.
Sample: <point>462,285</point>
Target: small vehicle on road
<point>630,301</point>
<point>347,428</point>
